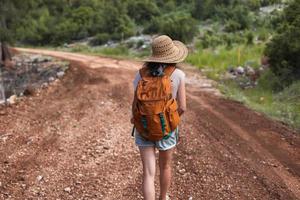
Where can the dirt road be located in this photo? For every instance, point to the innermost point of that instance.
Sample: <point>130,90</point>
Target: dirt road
<point>72,141</point>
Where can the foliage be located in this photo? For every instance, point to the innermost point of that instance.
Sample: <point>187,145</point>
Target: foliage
<point>283,106</point>
<point>56,22</point>
<point>250,37</point>
<point>216,61</point>
<point>178,25</point>
<point>284,49</point>
<point>142,11</point>
<point>236,17</point>
<point>100,39</point>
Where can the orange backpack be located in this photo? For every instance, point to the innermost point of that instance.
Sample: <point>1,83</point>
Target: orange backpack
<point>155,111</point>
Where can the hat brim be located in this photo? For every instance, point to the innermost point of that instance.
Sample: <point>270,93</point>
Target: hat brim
<point>180,56</point>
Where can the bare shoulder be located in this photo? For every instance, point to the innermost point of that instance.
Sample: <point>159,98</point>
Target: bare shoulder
<point>178,73</point>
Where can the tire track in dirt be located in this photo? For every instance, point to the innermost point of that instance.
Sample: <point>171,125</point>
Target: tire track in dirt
<point>76,134</point>
<point>290,181</point>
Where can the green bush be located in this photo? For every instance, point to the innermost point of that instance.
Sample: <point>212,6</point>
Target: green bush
<point>65,31</point>
<point>211,40</point>
<point>291,93</point>
<point>268,81</point>
<point>142,10</point>
<point>284,49</point>
<point>100,39</point>
<point>178,25</point>
<point>236,17</point>
<point>232,26</point>
<point>250,37</point>
<point>263,35</point>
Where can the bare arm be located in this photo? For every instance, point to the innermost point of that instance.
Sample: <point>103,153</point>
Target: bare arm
<point>181,97</point>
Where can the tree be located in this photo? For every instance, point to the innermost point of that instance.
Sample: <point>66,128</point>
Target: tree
<point>11,12</point>
<point>142,10</point>
<point>177,25</point>
<point>284,49</point>
<point>237,17</point>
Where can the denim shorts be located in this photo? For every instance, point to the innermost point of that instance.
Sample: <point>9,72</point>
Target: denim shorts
<point>162,145</point>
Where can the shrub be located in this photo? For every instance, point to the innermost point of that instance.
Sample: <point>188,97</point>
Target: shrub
<point>284,49</point>
<point>263,35</point>
<point>232,26</point>
<point>236,17</point>
<point>250,37</point>
<point>65,31</point>
<point>178,25</point>
<point>142,11</point>
<point>100,39</point>
<point>269,81</point>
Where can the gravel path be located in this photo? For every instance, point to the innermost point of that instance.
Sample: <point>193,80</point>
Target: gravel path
<point>73,141</point>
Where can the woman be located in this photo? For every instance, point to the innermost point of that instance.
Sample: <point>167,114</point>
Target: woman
<point>165,52</point>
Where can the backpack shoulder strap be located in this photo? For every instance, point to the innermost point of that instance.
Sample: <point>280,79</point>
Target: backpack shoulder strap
<point>169,70</point>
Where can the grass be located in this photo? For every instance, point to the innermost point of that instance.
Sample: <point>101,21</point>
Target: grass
<point>215,61</point>
<point>283,106</point>
<point>119,51</point>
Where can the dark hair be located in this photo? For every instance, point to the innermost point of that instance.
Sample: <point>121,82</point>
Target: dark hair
<point>155,64</point>
<point>156,68</point>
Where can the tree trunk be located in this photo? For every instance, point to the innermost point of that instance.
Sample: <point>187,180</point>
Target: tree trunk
<point>6,57</point>
<point>1,56</point>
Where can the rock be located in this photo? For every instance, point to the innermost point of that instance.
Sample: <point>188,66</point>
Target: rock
<point>44,85</point>
<point>51,79</point>
<point>39,178</point>
<point>28,91</point>
<point>47,59</point>
<point>4,137</point>
<point>67,189</point>
<point>106,147</point>
<point>29,141</point>
<point>231,70</point>
<point>144,46</point>
<point>182,171</point>
<point>240,70</point>
<point>228,76</point>
<point>249,71</point>
<point>12,99</point>
<point>40,59</point>
<point>261,69</point>
<point>36,58</point>
<point>0,184</point>
<point>60,74</point>
<point>83,157</point>
<point>78,182</point>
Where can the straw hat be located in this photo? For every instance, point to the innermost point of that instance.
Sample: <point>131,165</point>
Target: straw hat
<point>166,50</point>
